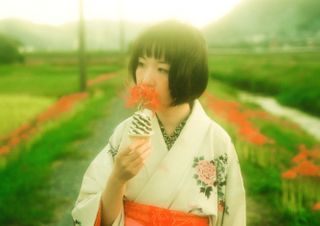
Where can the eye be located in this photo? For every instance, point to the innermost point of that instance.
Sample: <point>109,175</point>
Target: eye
<point>140,63</point>
<point>163,70</point>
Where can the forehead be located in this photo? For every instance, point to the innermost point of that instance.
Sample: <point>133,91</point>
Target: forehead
<point>154,51</point>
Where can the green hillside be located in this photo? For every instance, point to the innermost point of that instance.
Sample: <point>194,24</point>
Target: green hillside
<point>268,23</point>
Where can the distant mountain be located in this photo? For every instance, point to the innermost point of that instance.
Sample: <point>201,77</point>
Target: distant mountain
<point>100,35</point>
<point>257,23</point>
<point>268,23</point>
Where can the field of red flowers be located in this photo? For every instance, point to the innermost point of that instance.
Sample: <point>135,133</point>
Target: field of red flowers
<point>63,105</point>
<point>300,174</point>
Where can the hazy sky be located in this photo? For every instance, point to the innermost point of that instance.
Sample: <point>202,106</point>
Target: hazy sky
<point>199,12</point>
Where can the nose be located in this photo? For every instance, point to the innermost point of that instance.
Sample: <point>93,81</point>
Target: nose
<point>148,78</point>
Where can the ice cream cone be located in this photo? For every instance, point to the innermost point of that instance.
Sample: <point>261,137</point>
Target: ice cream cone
<point>141,124</point>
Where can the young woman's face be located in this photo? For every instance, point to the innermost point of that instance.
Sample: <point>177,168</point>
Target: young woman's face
<point>155,73</point>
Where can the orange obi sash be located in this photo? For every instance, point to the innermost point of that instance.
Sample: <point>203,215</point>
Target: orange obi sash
<point>137,214</point>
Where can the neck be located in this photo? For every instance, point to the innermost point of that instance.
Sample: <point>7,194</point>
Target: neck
<point>172,116</point>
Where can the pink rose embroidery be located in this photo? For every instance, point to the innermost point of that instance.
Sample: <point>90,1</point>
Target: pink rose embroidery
<point>206,172</point>
<point>210,174</point>
<point>205,175</point>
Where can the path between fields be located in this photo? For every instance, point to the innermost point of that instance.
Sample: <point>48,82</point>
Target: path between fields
<point>68,172</point>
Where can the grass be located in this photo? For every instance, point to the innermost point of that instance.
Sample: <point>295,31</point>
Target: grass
<point>293,78</point>
<point>25,181</point>
<point>264,186</point>
<point>17,109</point>
<point>27,89</point>
<point>45,79</point>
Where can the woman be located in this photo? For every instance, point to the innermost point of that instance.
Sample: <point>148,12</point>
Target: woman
<point>188,172</point>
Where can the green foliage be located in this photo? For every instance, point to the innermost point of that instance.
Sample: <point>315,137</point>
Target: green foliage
<point>9,50</point>
<point>293,78</point>
<point>53,75</point>
<point>18,109</point>
<point>25,182</point>
<point>264,185</point>
<point>300,219</point>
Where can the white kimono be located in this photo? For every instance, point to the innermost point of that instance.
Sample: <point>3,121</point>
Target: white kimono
<point>199,175</point>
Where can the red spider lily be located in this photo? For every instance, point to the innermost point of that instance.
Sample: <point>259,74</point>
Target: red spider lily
<point>100,79</point>
<point>313,153</point>
<point>64,104</point>
<point>300,157</point>
<point>4,150</point>
<point>21,129</point>
<point>289,175</point>
<point>316,206</point>
<point>233,112</point>
<point>307,168</point>
<point>143,96</point>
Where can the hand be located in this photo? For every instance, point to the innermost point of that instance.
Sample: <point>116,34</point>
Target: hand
<point>129,162</point>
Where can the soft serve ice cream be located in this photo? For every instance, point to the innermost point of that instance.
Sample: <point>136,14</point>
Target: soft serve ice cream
<point>146,100</point>
<point>141,124</point>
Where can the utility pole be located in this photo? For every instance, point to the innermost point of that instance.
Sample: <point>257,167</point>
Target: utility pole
<point>122,44</point>
<point>122,37</point>
<point>81,50</point>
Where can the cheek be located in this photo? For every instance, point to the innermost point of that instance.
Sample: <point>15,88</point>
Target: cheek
<point>165,92</point>
<point>138,76</point>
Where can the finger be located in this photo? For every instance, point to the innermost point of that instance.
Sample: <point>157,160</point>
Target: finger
<point>138,143</point>
<point>145,154</point>
<point>136,154</point>
<point>130,148</point>
<point>141,158</point>
<point>143,147</point>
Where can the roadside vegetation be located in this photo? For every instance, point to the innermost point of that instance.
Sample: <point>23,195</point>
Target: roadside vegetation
<point>292,78</point>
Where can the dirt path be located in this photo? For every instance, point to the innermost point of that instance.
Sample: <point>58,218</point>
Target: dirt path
<point>67,173</point>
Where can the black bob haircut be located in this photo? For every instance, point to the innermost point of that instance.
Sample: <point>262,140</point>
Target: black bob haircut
<point>184,49</point>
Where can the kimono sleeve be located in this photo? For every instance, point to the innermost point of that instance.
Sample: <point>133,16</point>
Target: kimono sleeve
<point>94,181</point>
<point>235,203</point>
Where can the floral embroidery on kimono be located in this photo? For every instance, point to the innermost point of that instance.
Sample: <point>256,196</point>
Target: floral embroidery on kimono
<point>205,175</point>
<point>221,162</point>
<point>211,174</point>
<point>76,223</point>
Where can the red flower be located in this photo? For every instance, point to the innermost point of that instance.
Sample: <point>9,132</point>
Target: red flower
<point>143,96</point>
<point>300,157</point>
<point>234,113</point>
<point>316,207</point>
<point>289,175</point>
<point>4,150</point>
<point>307,168</point>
